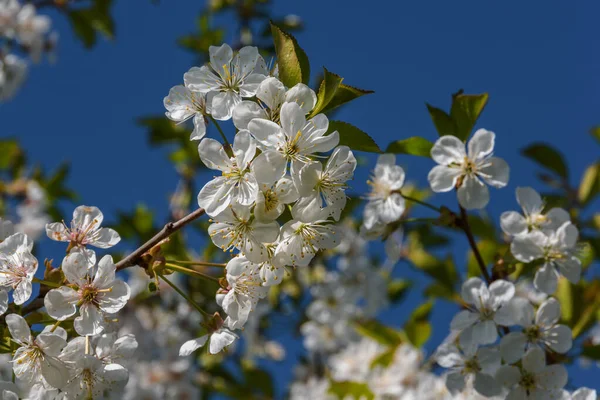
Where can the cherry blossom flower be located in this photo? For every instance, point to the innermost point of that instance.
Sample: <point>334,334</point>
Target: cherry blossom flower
<point>236,184</point>
<point>296,141</point>
<point>534,380</point>
<point>17,267</point>
<point>487,308</point>
<point>540,329</point>
<point>84,230</point>
<point>234,228</point>
<point>37,357</point>
<point>580,394</point>
<point>95,294</point>
<point>328,184</point>
<point>534,217</point>
<point>479,364</point>
<point>183,104</point>
<point>386,204</point>
<point>232,78</point>
<point>465,170</point>
<point>558,251</point>
<point>272,95</point>
<point>90,377</point>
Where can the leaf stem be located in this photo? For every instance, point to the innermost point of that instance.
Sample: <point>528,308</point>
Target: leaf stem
<point>228,146</point>
<point>185,296</point>
<point>467,229</point>
<point>201,263</point>
<point>191,272</point>
<point>423,203</point>
<point>46,283</point>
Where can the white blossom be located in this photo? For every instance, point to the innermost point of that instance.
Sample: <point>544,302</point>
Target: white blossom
<point>468,170</point>
<point>534,217</point>
<point>535,379</point>
<point>271,199</point>
<point>17,267</point>
<point>296,141</point>
<point>96,294</point>
<point>37,357</point>
<point>480,364</point>
<point>236,183</point>
<point>183,104</point>
<point>328,184</point>
<point>218,338</point>
<point>386,204</point>
<point>557,250</point>
<point>539,329</point>
<point>232,78</point>
<point>487,308</point>
<point>235,229</point>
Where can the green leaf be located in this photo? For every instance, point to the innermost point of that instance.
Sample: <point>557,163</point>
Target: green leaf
<point>385,358</point>
<point>595,132</point>
<point>418,329</point>
<point>590,184</point>
<point>442,121</point>
<point>353,137</point>
<point>380,333</point>
<point>592,351</point>
<point>291,59</point>
<point>327,89</point>
<point>87,22</point>
<point>547,157</point>
<point>465,111</point>
<point>397,289</point>
<point>416,146</point>
<point>344,94</point>
<point>11,151</point>
<point>353,390</point>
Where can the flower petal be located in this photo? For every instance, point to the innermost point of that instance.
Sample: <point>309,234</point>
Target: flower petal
<point>495,172</point>
<point>447,150</point>
<point>473,194</point>
<point>442,178</point>
<point>192,345</point>
<point>481,144</point>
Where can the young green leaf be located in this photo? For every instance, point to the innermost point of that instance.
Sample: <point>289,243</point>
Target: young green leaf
<point>442,121</point>
<point>590,184</point>
<point>293,63</point>
<point>547,157</point>
<point>327,89</point>
<point>353,137</point>
<point>344,94</point>
<point>351,390</point>
<point>379,332</point>
<point>418,329</point>
<point>416,146</point>
<point>465,110</point>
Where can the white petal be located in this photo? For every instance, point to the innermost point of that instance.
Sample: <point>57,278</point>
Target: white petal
<point>90,320</point>
<point>529,200</point>
<point>473,290</point>
<point>292,119</point>
<point>513,223</point>
<point>75,267</point>
<point>105,274</point>
<point>50,343</point>
<point>55,372</point>
<point>113,301</point>
<point>60,303</point>
<point>481,144</point>
<point>570,268</point>
<point>221,339</point>
<point>57,231</point>
<point>584,394</point>
<point>552,377</point>
<point>559,338</point>
<point>213,155</point>
<point>512,347</point>
<point>534,360</point>
<point>495,172</point>
<point>442,178</point>
<point>223,104</point>
<point>508,375</point>
<point>546,279</point>
<point>22,292</point>
<point>271,92</point>
<point>269,167</point>
<point>502,291</point>
<point>391,209</point>
<point>549,313</point>
<point>447,150</point>
<point>448,356</point>
<point>485,332</point>
<point>463,320</point>
<point>199,127</point>
<point>18,328</point>
<point>105,238</point>
<point>245,112</point>
<point>303,95</point>
<point>528,247</point>
<point>85,217</point>
<point>473,194</point>
<point>3,301</point>
<point>201,79</point>
<point>192,345</point>
<point>486,385</point>
<point>455,382</point>
<point>215,196</point>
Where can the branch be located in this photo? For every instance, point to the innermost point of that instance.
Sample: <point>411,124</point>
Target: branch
<point>467,228</point>
<point>165,232</point>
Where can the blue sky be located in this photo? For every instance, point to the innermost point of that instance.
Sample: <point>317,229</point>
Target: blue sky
<point>538,60</point>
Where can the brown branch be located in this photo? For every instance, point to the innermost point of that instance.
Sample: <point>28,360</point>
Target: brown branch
<point>467,229</point>
<point>165,232</point>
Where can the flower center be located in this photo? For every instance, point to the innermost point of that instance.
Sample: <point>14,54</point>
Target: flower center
<point>471,366</point>
<point>527,381</point>
<point>533,333</point>
<point>271,200</point>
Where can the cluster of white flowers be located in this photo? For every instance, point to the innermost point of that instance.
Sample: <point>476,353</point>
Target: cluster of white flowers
<point>500,340</point>
<point>21,26</point>
<point>49,366</point>
<point>273,164</point>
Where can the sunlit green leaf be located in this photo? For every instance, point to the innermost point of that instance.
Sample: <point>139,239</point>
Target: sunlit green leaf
<point>465,111</point>
<point>547,157</point>
<point>344,94</point>
<point>327,89</point>
<point>353,137</point>
<point>351,390</point>
<point>590,184</point>
<point>379,332</point>
<point>442,121</point>
<point>293,63</point>
<point>416,146</point>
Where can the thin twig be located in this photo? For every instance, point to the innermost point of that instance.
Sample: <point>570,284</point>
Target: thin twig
<point>165,232</point>
<point>467,229</point>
